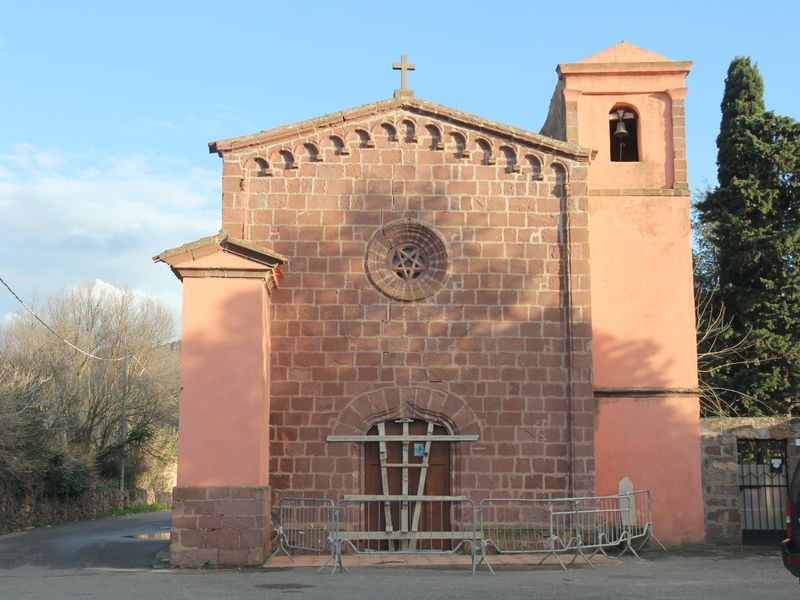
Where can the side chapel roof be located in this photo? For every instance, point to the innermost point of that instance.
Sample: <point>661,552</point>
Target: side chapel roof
<point>227,242</point>
<point>249,259</point>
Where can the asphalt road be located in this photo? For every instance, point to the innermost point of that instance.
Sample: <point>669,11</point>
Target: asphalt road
<point>96,560</point>
<point>102,543</point>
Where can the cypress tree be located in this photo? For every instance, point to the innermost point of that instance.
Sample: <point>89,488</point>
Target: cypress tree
<point>742,117</point>
<point>749,234</point>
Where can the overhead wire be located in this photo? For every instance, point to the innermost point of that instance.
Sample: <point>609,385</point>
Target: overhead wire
<point>127,354</point>
<point>152,378</point>
<point>58,335</point>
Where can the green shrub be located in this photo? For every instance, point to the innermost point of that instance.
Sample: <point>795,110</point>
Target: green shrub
<point>64,476</point>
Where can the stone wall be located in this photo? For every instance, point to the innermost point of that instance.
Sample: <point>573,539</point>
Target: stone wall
<point>721,469</point>
<point>19,512</point>
<point>220,526</point>
<point>491,339</point>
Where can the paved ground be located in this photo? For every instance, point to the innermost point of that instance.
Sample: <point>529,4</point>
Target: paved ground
<point>104,543</point>
<point>96,560</point>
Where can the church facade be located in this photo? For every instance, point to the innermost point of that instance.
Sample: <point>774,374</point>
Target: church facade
<point>403,267</point>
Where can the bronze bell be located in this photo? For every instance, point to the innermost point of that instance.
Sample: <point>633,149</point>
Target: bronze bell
<point>621,132</point>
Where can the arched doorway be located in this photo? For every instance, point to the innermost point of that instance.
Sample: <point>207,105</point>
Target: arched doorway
<point>412,468</point>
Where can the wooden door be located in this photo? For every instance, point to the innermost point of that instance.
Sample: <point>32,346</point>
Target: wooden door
<point>402,478</point>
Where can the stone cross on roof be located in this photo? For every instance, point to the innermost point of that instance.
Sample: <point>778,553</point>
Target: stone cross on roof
<point>404,67</point>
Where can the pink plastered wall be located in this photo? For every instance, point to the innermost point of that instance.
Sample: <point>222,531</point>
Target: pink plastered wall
<point>643,328</point>
<point>644,337</point>
<point>654,168</point>
<point>655,442</point>
<point>642,296</point>
<point>224,411</point>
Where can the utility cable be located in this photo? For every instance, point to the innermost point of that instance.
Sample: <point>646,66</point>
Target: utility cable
<point>153,379</point>
<point>58,335</point>
<point>127,354</point>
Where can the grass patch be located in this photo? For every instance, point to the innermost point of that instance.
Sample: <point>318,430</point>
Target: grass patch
<point>134,509</point>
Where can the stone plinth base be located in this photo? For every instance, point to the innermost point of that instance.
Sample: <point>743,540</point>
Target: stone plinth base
<point>219,526</point>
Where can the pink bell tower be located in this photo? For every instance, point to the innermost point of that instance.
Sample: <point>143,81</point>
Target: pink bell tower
<point>627,104</point>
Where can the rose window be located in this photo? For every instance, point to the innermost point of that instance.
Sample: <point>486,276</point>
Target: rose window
<point>407,260</point>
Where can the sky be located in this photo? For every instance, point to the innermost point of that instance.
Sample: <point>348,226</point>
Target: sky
<point>106,108</point>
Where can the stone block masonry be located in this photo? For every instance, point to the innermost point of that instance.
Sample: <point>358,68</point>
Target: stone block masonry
<point>18,512</point>
<point>721,479</point>
<point>721,490</point>
<point>219,526</point>
<point>507,337</point>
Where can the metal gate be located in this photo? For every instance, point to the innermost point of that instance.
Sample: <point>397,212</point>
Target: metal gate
<point>763,477</point>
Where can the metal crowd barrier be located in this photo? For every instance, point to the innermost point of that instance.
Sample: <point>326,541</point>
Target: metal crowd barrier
<point>639,521</point>
<point>584,526</point>
<point>305,525</point>
<point>599,520</point>
<point>607,522</point>
<point>405,525</point>
<point>528,526</point>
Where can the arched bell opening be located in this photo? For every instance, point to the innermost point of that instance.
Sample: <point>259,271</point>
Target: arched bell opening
<point>623,133</point>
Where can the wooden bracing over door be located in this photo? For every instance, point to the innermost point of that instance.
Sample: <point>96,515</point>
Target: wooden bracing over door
<point>407,503</point>
<point>408,468</point>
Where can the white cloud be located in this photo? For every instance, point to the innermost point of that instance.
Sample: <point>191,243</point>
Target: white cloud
<point>170,299</point>
<point>8,317</point>
<point>69,217</point>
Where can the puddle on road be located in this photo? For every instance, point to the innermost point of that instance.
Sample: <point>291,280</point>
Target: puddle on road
<point>150,536</point>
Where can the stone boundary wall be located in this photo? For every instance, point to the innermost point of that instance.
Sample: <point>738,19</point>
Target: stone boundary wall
<point>34,510</point>
<point>721,469</point>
